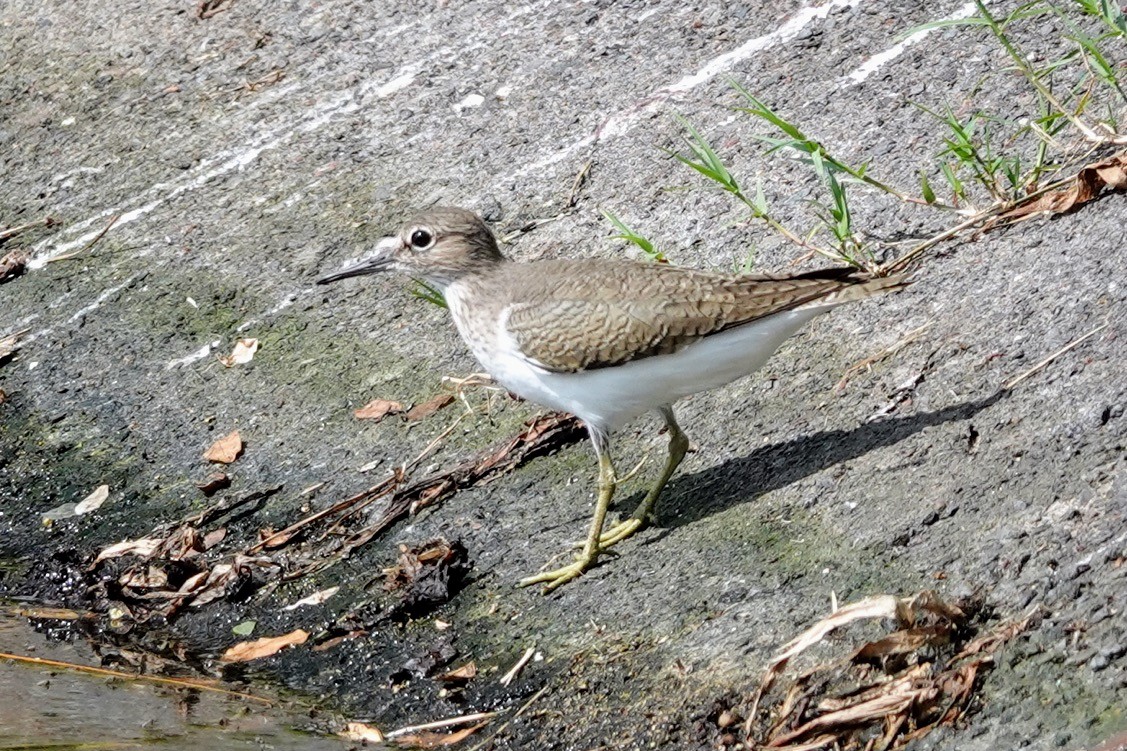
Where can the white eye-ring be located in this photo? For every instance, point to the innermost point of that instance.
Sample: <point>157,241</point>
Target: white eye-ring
<point>421,238</point>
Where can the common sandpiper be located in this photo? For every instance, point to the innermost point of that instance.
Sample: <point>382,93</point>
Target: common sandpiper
<point>607,340</point>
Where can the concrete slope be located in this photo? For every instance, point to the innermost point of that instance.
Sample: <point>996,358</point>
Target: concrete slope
<point>244,154</point>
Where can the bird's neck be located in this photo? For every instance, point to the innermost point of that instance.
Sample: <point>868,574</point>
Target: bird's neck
<point>465,270</point>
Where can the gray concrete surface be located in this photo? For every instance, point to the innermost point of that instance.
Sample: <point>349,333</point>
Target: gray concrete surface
<point>234,188</point>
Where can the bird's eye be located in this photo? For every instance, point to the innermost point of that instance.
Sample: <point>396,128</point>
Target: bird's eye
<point>421,239</point>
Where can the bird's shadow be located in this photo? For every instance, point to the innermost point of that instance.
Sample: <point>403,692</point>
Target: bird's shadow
<point>689,498</point>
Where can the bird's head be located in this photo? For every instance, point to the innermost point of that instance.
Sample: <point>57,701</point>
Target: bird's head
<point>440,245</point>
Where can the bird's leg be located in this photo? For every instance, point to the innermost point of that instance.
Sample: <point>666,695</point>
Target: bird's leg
<point>644,514</point>
<point>591,549</point>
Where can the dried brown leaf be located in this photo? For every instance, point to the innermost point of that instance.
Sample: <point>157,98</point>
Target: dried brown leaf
<point>902,642</point>
<point>213,538</point>
<point>881,606</point>
<point>93,501</point>
<point>426,576</point>
<point>12,265</point>
<point>902,610</point>
<point>264,647</point>
<point>213,483</point>
<point>464,674</point>
<point>213,587</point>
<point>1088,183</point>
<point>378,409</point>
<point>913,677</point>
<point>149,577</point>
<point>338,640</point>
<point>192,583</point>
<point>55,614</point>
<point>428,408</point>
<point>930,601</point>
<point>822,741</point>
<point>864,712</point>
<point>412,561</point>
<point>242,353</point>
<point>182,543</point>
<point>361,732</point>
<point>1113,172</point>
<point>222,575</point>
<point>226,449</point>
<point>316,598</point>
<point>868,702</point>
<point>9,344</point>
<point>144,547</point>
<point>990,642</point>
<point>268,539</point>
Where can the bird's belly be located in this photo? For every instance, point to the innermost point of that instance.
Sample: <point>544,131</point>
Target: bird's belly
<point>609,397</point>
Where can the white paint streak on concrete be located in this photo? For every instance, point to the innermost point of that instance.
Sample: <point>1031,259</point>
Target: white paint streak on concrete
<point>60,300</point>
<point>345,103</point>
<point>402,81</point>
<point>289,300</point>
<point>231,161</point>
<point>789,30</point>
<point>106,294</point>
<point>67,178</point>
<point>196,356</point>
<point>877,61</point>
<point>625,120</point>
<point>205,172</point>
<point>41,259</point>
<point>390,31</point>
<point>19,325</point>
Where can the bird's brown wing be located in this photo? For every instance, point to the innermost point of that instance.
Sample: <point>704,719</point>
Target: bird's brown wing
<point>605,320</point>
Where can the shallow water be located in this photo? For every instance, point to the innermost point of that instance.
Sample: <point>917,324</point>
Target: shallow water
<point>52,708</point>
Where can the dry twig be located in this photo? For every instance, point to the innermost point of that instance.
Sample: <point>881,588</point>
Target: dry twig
<point>198,685</point>
<point>514,671</point>
<point>1048,360</point>
<point>46,221</point>
<point>89,245</point>
<point>886,692</point>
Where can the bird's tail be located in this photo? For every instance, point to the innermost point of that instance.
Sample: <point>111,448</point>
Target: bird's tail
<point>859,286</point>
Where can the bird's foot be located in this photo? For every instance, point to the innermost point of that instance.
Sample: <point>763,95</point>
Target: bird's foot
<point>621,531</point>
<point>560,576</point>
<point>585,559</point>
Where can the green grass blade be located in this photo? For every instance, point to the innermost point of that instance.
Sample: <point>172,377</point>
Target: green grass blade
<point>628,234</point>
<point>428,292</point>
<point>705,159</point>
<point>1108,11</point>
<point>926,189</point>
<point>762,111</point>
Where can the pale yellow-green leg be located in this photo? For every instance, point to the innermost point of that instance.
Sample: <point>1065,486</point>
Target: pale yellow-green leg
<point>644,514</point>
<point>591,549</point>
